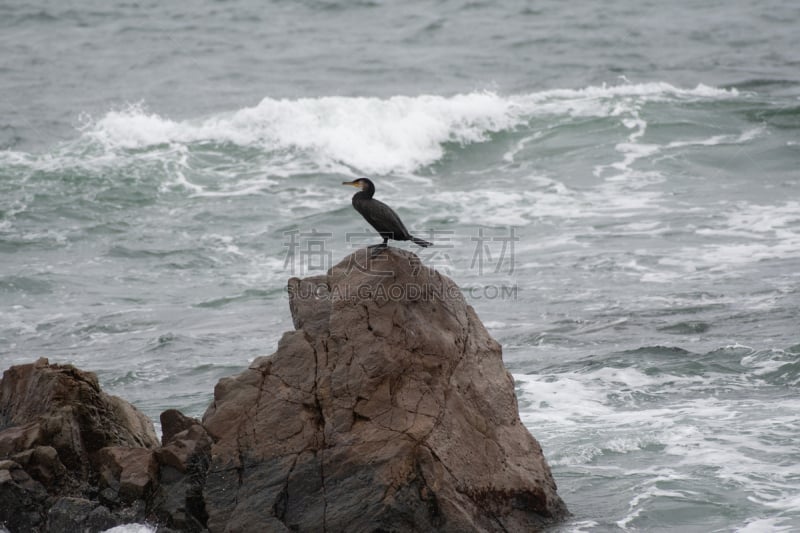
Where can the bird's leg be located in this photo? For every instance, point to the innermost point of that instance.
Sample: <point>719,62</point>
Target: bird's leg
<point>378,248</point>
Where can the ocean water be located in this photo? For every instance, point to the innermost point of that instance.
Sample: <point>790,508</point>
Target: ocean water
<point>614,185</point>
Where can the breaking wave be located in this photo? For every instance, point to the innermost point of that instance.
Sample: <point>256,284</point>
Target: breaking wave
<point>401,134</point>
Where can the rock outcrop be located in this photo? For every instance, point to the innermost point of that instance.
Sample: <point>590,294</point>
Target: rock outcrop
<point>388,408</point>
<point>56,425</point>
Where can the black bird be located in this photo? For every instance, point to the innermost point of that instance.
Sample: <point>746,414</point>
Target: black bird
<point>380,216</point>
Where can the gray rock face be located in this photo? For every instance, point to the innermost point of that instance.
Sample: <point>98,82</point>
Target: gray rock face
<point>388,408</point>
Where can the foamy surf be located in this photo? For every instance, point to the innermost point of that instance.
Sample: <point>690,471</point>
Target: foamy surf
<point>132,528</point>
<point>654,403</point>
<point>378,136</point>
<point>400,134</point>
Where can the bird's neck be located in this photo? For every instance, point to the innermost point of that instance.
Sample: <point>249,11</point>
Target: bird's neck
<point>366,194</point>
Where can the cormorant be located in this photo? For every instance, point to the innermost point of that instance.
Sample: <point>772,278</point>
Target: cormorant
<point>380,216</point>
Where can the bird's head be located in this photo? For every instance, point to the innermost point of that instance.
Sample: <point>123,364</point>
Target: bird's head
<point>361,183</point>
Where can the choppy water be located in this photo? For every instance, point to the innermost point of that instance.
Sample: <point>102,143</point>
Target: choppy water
<point>615,186</point>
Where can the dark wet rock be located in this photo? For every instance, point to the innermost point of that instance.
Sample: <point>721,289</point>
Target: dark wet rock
<point>22,499</point>
<point>79,515</point>
<point>174,422</point>
<point>131,472</point>
<point>178,503</point>
<point>43,465</point>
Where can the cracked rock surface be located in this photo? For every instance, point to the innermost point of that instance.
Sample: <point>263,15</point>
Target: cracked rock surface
<point>388,408</point>
<point>61,439</point>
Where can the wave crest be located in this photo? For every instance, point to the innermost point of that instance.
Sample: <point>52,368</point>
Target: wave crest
<point>401,134</point>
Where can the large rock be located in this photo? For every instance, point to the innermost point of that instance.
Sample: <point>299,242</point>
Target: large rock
<point>63,407</point>
<point>183,460</point>
<point>388,408</point>
<point>56,426</point>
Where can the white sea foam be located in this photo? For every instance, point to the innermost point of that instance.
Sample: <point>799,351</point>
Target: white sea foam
<point>765,525</point>
<point>648,491</point>
<point>399,135</point>
<point>132,528</point>
<point>584,526</point>
<point>545,199</point>
<point>498,207</point>
<point>223,243</point>
<point>747,234</point>
<point>658,90</point>
<point>691,422</point>
<point>766,218</point>
<point>565,399</point>
<point>715,140</point>
<point>614,100</point>
<point>767,361</point>
<point>520,146</point>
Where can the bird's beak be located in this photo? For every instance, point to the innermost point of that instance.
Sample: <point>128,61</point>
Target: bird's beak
<point>351,183</point>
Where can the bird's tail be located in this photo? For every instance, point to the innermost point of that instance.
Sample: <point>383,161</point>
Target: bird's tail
<point>420,242</point>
